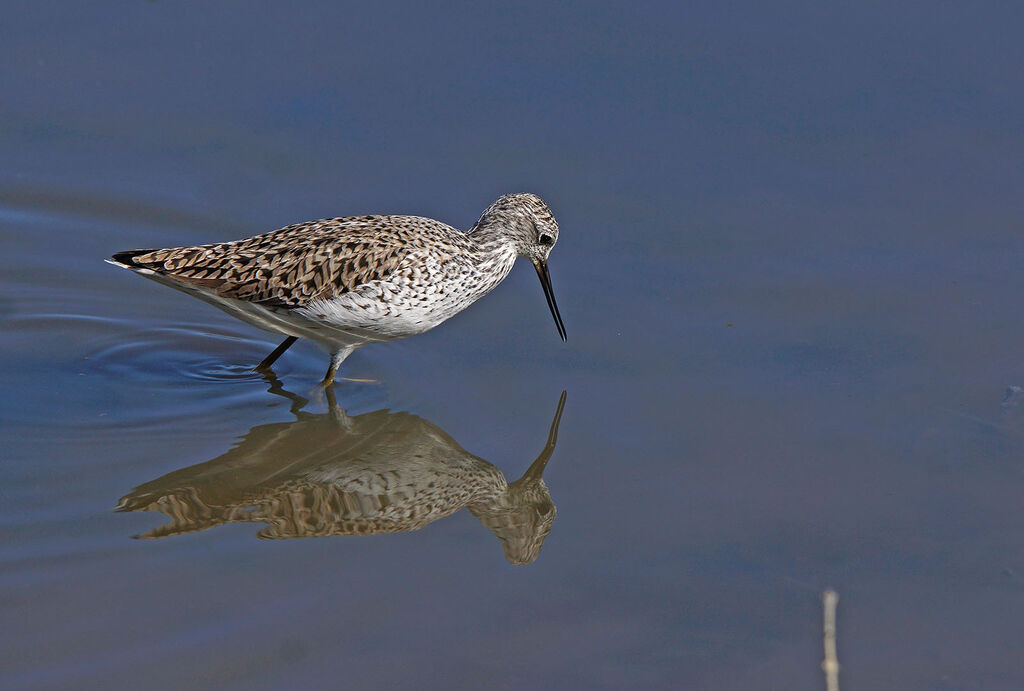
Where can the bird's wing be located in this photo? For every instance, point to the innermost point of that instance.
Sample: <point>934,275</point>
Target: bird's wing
<point>290,267</point>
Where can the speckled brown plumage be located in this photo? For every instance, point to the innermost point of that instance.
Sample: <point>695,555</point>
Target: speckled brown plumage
<point>346,282</point>
<point>302,262</point>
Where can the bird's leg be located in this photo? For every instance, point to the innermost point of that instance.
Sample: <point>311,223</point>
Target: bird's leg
<point>278,351</point>
<point>337,357</point>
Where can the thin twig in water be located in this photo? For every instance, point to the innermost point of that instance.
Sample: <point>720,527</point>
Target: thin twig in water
<point>831,662</point>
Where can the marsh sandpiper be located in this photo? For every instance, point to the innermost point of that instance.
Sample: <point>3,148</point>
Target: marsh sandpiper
<point>347,282</point>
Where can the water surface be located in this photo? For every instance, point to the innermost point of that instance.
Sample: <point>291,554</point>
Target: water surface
<point>789,268</point>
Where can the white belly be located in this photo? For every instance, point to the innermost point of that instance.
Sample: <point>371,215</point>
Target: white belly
<point>412,301</point>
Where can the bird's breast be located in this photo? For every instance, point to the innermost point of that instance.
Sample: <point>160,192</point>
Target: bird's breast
<point>416,297</point>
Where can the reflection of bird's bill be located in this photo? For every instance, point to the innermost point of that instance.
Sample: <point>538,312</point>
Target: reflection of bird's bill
<point>536,468</point>
<point>549,295</point>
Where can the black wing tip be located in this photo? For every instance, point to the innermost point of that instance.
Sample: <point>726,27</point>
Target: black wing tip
<point>126,258</point>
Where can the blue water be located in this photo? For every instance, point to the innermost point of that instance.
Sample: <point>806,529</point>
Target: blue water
<point>790,271</point>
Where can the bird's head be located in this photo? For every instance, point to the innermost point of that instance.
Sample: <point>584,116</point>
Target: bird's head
<point>526,222</point>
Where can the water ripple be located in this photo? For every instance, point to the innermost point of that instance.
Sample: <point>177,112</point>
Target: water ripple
<point>114,372</point>
<point>163,354</point>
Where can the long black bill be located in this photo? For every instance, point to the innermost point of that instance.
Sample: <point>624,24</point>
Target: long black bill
<point>545,281</point>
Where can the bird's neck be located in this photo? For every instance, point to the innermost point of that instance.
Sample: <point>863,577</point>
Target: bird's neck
<point>491,234</point>
<point>494,251</point>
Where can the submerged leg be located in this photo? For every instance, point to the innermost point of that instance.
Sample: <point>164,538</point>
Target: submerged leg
<point>270,359</point>
<point>337,357</point>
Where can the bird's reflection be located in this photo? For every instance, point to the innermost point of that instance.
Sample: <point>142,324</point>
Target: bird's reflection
<point>331,474</point>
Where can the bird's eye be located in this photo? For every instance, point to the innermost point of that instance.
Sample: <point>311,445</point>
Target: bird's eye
<point>545,239</point>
